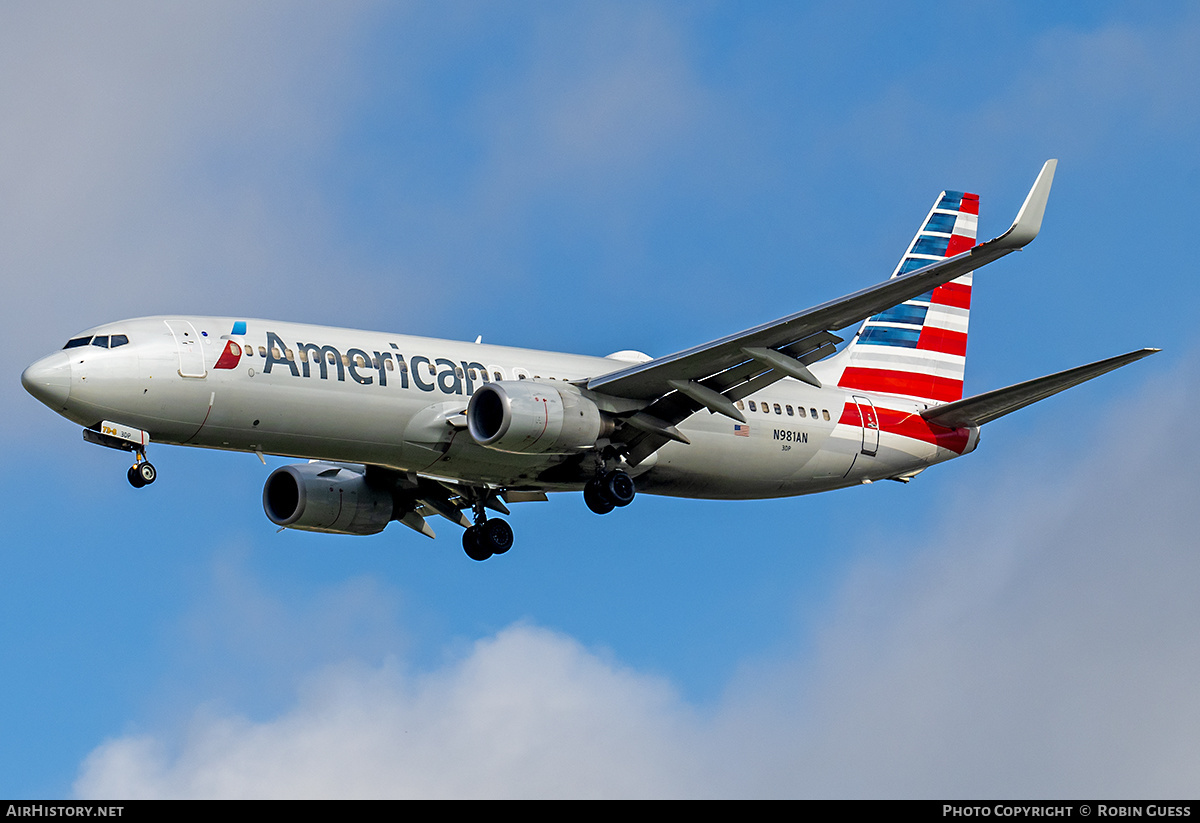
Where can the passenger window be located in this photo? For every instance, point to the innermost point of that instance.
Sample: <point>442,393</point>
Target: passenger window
<point>498,375</point>
<point>752,406</point>
<point>262,350</point>
<point>814,414</point>
<point>800,409</point>
<point>826,413</point>
<point>117,340</point>
<point>387,364</point>
<point>290,355</point>
<point>741,405</point>
<point>332,358</point>
<point>77,342</point>
<point>100,341</point>
<point>777,409</point>
<point>766,408</point>
<point>791,412</point>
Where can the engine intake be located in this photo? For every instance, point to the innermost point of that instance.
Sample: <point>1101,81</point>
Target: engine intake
<point>526,417</point>
<point>319,497</point>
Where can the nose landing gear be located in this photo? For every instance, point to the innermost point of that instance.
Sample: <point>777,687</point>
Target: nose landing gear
<point>142,473</point>
<point>127,439</point>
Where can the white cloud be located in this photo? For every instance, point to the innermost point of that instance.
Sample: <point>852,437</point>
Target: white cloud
<point>526,713</point>
<point>1041,645</point>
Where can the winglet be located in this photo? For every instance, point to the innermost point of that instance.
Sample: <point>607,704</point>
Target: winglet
<point>1029,218</point>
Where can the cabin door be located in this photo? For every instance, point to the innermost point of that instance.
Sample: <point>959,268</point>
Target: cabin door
<point>870,425</point>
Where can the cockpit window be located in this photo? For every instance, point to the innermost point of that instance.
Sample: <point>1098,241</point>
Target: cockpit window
<point>103,341</point>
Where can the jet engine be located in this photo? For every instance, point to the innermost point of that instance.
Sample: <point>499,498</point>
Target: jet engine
<point>321,497</point>
<point>527,417</point>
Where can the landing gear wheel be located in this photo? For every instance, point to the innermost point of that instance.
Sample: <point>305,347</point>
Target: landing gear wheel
<point>594,497</point>
<point>147,472</point>
<point>618,487</point>
<point>135,477</point>
<point>497,535</point>
<point>473,544</point>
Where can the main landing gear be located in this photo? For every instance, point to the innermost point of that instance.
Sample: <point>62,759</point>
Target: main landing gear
<point>610,491</point>
<point>486,537</point>
<point>142,473</point>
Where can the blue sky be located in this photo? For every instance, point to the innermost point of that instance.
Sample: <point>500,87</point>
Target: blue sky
<point>588,178</point>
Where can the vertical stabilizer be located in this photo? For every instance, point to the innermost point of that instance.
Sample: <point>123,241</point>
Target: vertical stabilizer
<point>919,348</point>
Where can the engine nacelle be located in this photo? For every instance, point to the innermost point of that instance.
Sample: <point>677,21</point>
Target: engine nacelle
<point>320,497</point>
<point>527,417</point>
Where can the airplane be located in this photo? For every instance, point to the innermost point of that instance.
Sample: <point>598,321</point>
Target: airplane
<point>396,427</point>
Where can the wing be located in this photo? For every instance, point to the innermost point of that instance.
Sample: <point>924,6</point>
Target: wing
<point>667,390</point>
<point>983,408</point>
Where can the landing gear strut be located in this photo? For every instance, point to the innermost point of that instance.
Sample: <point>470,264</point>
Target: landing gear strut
<point>486,537</point>
<point>142,473</point>
<point>614,489</point>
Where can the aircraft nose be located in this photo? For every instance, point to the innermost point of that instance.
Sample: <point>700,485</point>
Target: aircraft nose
<point>49,380</point>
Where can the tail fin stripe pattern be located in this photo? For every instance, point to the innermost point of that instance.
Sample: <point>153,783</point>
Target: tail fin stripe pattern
<point>943,340</point>
<point>918,349</point>
<point>891,336</point>
<point>886,381</point>
<point>953,293</point>
<point>904,313</point>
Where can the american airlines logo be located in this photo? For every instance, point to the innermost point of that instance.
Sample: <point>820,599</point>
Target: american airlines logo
<point>323,362</point>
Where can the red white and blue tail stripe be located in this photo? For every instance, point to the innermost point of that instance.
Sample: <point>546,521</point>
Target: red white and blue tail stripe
<point>919,348</point>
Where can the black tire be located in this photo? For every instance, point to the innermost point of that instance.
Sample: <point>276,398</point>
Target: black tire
<point>135,477</point>
<point>497,535</point>
<point>473,544</point>
<point>618,487</point>
<point>595,499</point>
<point>147,472</point>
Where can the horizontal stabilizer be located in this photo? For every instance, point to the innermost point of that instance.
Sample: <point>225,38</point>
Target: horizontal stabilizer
<point>983,408</point>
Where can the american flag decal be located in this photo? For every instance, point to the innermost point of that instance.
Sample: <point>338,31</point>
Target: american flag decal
<point>740,430</point>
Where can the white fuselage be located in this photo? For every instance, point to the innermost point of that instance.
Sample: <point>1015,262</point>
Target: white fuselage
<point>383,399</point>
